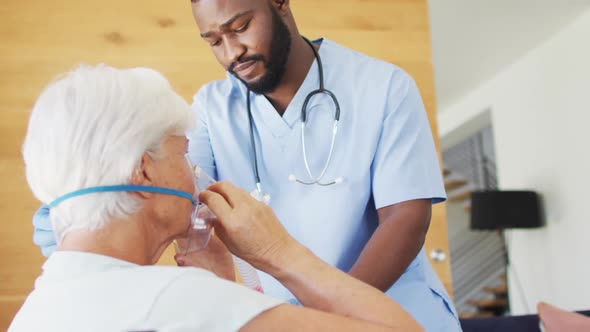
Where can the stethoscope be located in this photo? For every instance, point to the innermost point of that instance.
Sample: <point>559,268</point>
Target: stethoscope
<point>258,193</point>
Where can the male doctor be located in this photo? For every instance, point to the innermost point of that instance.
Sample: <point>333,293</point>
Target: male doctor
<point>351,170</point>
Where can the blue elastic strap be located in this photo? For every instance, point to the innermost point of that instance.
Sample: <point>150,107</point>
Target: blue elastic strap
<point>294,302</point>
<point>103,189</point>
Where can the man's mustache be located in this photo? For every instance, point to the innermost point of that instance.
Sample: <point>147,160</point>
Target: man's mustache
<point>233,65</point>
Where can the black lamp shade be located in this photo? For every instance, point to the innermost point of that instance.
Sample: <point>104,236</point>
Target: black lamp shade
<point>505,209</point>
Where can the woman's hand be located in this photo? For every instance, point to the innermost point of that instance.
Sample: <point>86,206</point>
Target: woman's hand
<point>249,228</point>
<point>215,258</point>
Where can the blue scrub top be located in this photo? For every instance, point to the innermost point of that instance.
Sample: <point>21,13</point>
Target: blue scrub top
<point>384,151</point>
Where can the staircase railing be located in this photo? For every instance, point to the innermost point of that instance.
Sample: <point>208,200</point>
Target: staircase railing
<point>477,257</point>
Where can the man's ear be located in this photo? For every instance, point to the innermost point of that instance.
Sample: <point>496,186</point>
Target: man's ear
<point>143,174</point>
<point>282,6</point>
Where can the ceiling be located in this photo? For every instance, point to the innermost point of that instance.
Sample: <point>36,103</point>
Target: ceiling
<point>474,40</point>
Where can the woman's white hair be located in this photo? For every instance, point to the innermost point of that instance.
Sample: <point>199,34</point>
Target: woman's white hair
<point>90,128</point>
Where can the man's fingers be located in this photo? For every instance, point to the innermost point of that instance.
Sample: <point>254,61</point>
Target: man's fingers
<point>216,203</point>
<point>41,218</point>
<point>47,251</point>
<point>44,238</point>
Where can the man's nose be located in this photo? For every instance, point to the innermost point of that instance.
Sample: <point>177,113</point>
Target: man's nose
<point>234,49</point>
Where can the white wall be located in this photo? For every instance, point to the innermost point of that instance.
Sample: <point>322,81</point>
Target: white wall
<point>473,40</point>
<point>540,112</point>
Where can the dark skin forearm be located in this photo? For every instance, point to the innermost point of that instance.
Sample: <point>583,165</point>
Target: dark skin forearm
<point>394,244</point>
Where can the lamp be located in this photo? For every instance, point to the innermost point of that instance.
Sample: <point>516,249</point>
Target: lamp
<point>500,210</point>
<point>495,209</point>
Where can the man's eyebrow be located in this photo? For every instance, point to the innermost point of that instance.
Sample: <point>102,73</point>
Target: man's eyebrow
<point>226,24</point>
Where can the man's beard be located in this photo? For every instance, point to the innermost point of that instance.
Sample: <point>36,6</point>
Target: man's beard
<point>276,64</point>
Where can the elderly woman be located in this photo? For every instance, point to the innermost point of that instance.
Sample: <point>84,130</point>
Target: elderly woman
<point>105,149</point>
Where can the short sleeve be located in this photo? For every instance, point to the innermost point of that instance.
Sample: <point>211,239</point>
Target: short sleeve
<point>200,301</point>
<point>199,146</point>
<point>405,166</point>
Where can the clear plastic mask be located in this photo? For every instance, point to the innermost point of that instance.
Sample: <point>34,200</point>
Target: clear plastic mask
<point>202,219</point>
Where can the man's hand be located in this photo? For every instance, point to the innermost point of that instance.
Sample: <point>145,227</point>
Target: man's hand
<point>43,235</point>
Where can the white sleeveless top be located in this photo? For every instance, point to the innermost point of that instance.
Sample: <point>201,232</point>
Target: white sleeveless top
<point>87,292</point>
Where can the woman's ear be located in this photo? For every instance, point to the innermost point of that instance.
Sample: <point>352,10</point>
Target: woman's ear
<point>142,174</point>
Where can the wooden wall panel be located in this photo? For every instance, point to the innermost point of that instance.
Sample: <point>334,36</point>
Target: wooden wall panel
<point>43,38</point>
